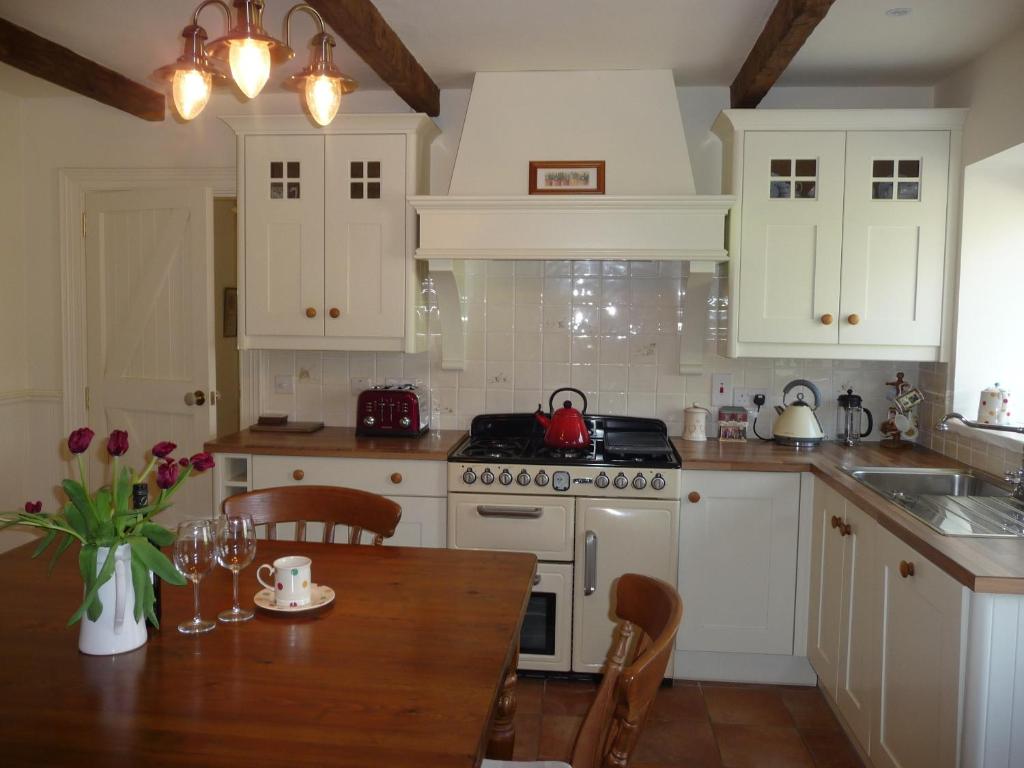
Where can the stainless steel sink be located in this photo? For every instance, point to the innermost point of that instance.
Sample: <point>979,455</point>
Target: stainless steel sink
<point>953,502</point>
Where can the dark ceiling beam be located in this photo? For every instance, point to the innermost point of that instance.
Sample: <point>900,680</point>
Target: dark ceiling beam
<point>359,23</point>
<point>785,32</point>
<point>43,58</point>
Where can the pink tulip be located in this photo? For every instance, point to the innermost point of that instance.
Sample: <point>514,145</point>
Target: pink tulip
<point>163,449</point>
<point>167,475</point>
<point>202,462</point>
<point>79,440</point>
<point>117,443</point>
<point>34,507</point>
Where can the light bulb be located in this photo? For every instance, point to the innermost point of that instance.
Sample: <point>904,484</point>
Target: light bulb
<point>323,97</point>
<point>190,89</point>
<point>250,65</point>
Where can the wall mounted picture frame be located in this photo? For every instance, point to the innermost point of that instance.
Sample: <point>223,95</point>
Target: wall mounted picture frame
<point>567,177</point>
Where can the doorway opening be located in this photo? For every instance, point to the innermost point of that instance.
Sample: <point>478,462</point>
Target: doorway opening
<point>225,292</point>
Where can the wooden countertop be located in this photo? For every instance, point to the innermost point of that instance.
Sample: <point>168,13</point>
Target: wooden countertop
<point>984,565</point>
<point>340,442</point>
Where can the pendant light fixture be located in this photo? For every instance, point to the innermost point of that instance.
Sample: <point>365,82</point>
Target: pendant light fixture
<point>193,75</point>
<point>321,82</point>
<point>249,49</point>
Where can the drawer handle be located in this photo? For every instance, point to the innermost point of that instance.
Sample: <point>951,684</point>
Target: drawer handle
<point>485,510</point>
<point>310,312</point>
<point>298,474</point>
<point>396,477</point>
<point>826,319</point>
<point>906,569</point>
<point>836,522</point>
<point>693,497</point>
<point>845,529</point>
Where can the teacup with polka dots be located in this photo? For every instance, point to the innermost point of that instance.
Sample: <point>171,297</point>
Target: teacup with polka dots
<point>292,580</point>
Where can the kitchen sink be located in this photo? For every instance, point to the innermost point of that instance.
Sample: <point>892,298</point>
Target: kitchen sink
<point>953,502</point>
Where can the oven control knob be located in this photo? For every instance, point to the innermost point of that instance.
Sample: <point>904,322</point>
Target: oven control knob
<point>602,480</point>
<point>505,478</point>
<point>620,481</point>
<point>523,478</point>
<point>639,482</point>
<point>487,477</point>
<point>404,422</point>
<point>469,477</point>
<point>369,421</point>
<point>658,483</point>
<point>541,479</point>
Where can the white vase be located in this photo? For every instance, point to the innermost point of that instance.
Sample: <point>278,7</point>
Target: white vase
<point>116,630</point>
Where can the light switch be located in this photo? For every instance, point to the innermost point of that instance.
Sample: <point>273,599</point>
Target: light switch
<point>721,389</point>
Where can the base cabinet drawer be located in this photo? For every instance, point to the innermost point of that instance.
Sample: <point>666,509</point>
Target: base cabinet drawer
<point>383,476</point>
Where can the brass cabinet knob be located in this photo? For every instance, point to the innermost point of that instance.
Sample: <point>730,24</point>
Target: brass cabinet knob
<point>845,529</point>
<point>335,313</point>
<point>826,319</point>
<point>853,319</point>
<point>310,311</point>
<point>906,569</point>
<point>298,474</point>
<point>693,497</point>
<point>396,477</point>
<point>836,522</point>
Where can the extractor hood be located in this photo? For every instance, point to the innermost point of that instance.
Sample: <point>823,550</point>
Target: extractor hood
<point>630,120</point>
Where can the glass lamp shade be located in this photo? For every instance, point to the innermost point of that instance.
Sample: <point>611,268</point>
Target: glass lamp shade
<point>323,97</point>
<point>250,64</point>
<point>190,89</point>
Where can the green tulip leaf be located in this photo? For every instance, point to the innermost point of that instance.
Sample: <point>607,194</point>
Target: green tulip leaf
<point>46,541</point>
<point>122,489</point>
<point>76,520</point>
<point>157,534</point>
<point>140,575</point>
<point>61,549</point>
<point>76,493</point>
<point>156,561</point>
<point>91,604</point>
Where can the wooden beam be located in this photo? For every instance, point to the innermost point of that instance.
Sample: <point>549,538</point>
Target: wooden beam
<point>46,59</point>
<point>785,32</point>
<point>359,23</point>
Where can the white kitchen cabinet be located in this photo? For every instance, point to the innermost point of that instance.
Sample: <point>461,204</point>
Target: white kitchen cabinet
<point>326,237</point>
<point>825,615</point>
<point>922,613</point>
<point>615,536</point>
<point>842,243</point>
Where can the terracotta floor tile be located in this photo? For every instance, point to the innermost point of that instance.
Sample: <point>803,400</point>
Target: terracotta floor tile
<point>562,697</point>
<point>808,708</point>
<point>689,742</point>
<point>680,702</point>
<point>746,706</point>
<point>527,737</point>
<point>830,748</point>
<point>762,746</point>
<point>529,693</point>
<point>557,736</point>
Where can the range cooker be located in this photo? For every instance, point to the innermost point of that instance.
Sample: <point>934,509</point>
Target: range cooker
<point>589,515</point>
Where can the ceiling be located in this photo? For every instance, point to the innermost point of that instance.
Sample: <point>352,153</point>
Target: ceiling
<point>704,42</point>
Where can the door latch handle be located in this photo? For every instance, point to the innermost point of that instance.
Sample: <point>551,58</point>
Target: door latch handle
<point>195,398</point>
<point>590,563</point>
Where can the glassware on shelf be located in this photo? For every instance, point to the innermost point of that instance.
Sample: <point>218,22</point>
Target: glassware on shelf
<point>236,548</point>
<point>194,552</point>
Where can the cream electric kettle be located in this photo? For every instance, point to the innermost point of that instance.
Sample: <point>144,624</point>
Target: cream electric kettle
<point>796,424</point>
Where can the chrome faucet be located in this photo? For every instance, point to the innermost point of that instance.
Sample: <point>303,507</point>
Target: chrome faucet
<point>1014,478</point>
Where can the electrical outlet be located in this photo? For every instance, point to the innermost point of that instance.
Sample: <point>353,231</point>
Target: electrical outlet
<point>284,385</point>
<point>721,389</point>
<point>358,383</point>
<point>744,396</point>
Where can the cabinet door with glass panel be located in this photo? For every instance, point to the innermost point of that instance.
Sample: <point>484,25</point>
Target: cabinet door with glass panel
<point>792,236</point>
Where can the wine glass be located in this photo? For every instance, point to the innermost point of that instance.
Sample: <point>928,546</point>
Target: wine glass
<point>236,548</point>
<point>193,556</point>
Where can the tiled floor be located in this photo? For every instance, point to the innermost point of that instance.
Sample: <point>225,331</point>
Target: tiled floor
<point>697,725</point>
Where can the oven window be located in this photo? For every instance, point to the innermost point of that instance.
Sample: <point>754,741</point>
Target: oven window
<point>538,633</point>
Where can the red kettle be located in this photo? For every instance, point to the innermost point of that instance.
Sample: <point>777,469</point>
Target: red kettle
<point>566,427</point>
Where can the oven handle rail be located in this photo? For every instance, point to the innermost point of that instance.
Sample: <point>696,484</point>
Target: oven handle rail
<point>487,510</point>
<point>590,563</point>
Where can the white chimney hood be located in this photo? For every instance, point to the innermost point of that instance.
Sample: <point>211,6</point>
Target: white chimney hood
<point>627,118</point>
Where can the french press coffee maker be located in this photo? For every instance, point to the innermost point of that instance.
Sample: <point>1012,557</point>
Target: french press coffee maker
<point>850,417</point>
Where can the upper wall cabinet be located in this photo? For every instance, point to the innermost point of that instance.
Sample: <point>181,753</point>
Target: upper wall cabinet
<point>842,243</point>
<point>326,237</point>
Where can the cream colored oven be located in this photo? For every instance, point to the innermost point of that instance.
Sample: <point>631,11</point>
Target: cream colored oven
<point>542,525</point>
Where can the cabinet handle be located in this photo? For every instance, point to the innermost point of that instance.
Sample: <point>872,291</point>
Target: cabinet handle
<point>396,477</point>
<point>853,319</point>
<point>310,311</point>
<point>693,497</point>
<point>845,529</point>
<point>335,313</point>
<point>590,563</point>
<point>827,319</point>
<point>298,474</point>
<point>488,510</point>
<point>906,569</point>
<point>836,522</point>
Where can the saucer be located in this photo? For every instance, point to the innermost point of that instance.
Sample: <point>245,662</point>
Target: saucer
<point>320,597</point>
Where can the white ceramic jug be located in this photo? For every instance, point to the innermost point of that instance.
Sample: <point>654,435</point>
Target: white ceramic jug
<point>116,630</point>
<point>695,423</point>
<point>994,406</point>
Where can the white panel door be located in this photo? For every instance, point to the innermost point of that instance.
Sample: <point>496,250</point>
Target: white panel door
<point>858,640</point>
<point>613,537</point>
<point>149,306</point>
<point>284,235</point>
<point>365,247</point>
<point>792,236</point>
<point>894,238</point>
<point>737,561</point>
<point>918,670</point>
<point>827,550</point>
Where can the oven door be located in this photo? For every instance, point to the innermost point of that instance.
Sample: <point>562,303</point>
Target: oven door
<point>545,642</point>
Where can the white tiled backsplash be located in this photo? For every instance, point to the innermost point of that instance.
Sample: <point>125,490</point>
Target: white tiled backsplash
<point>611,329</point>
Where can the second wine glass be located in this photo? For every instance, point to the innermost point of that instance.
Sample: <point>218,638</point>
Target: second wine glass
<point>194,550</point>
<point>236,548</point>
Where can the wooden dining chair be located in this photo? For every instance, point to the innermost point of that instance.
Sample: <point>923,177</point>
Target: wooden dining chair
<point>649,612</point>
<point>332,506</point>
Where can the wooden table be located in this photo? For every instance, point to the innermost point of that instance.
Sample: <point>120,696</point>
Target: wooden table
<point>405,669</point>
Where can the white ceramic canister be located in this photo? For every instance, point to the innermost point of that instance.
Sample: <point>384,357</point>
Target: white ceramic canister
<point>695,423</point>
<point>994,405</point>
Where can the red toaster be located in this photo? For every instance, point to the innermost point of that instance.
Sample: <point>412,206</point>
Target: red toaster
<point>402,410</point>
